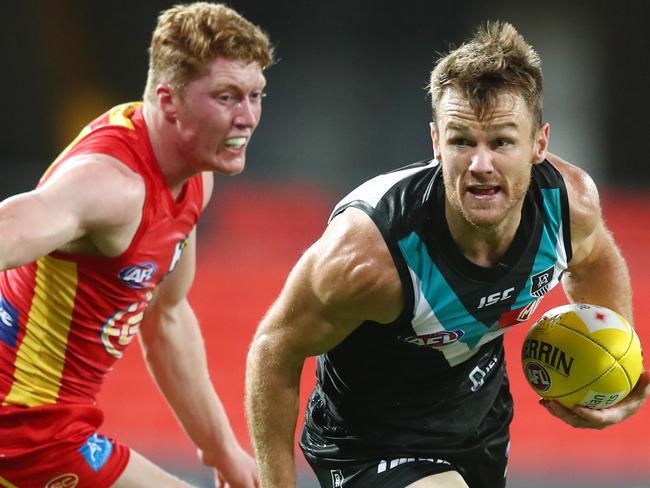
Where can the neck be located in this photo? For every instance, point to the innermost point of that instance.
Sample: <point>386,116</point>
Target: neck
<point>482,245</point>
<point>164,143</point>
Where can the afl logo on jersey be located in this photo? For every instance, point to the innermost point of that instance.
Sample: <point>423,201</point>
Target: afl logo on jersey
<point>437,339</point>
<point>139,275</point>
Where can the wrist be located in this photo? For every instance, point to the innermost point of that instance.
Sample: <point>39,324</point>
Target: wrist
<point>220,453</point>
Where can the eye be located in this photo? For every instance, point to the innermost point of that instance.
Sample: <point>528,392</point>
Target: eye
<point>502,142</point>
<point>225,97</point>
<point>460,142</point>
<point>257,96</point>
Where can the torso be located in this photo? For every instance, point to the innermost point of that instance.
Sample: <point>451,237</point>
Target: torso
<point>73,312</point>
<point>396,384</point>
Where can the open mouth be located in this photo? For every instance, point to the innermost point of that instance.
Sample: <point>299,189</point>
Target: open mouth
<point>235,142</point>
<point>484,191</point>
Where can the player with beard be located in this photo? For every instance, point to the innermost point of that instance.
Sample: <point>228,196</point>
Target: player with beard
<point>407,294</point>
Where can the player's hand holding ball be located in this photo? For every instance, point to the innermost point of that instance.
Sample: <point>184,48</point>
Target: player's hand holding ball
<point>585,361</point>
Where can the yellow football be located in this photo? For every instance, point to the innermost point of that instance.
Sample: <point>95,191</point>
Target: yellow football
<point>582,354</point>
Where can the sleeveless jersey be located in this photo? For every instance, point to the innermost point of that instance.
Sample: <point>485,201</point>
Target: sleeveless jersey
<point>427,381</point>
<point>66,318</point>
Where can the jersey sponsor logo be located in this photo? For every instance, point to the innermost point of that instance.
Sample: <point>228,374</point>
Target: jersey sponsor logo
<point>337,478</point>
<point>8,322</point>
<point>541,282</point>
<point>495,298</point>
<point>386,465</point>
<point>96,451</point>
<point>437,339</point>
<point>178,253</point>
<point>121,327</point>
<point>477,375</point>
<point>518,315</point>
<point>139,275</point>
<point>67,480</point>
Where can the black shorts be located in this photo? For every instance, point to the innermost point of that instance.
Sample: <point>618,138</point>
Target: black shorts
<point>481,470</point>
<point>385,473</point>
<point>481,459</point>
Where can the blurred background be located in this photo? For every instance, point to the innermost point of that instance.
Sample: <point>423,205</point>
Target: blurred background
<point>346,100</point>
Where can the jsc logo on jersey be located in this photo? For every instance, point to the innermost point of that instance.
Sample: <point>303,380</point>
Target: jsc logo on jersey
<point>138,275</point>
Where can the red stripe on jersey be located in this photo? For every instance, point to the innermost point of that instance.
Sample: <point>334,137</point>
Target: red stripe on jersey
<point>110,294</point>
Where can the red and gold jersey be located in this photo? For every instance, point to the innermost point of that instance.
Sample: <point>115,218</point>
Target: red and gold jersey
<point>66,318</point>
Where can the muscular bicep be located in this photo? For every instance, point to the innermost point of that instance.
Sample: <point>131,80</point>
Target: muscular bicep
<point>597,272</point>
<point>94,194</point>
<point>344,279</point>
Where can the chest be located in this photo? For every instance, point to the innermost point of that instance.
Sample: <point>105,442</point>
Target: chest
<point>455,311</point>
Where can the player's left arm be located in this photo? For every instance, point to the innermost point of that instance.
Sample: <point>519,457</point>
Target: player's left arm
<point>174,350</point>
<point>597,274</point>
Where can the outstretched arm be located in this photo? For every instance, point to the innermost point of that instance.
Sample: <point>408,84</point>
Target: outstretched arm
<point>346,277</point>
<point>92,197</point>
<point>175,354</point>
<point>597,274</point>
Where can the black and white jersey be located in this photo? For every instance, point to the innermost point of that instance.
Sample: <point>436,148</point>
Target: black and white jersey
<point>430,378</point>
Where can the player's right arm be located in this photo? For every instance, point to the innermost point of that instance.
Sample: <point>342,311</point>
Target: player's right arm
<point>597,274</point>
<point>346,277</point>
<point>91,197</point>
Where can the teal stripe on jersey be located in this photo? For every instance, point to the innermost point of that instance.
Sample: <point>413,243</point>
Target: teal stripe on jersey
<point>553,211</point>
<point>442,299</point>
<point>546,255</point>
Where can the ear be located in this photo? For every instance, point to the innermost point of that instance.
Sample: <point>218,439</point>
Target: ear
<point>167,101</point>
<point>435,140</point>
<point>541,143</point>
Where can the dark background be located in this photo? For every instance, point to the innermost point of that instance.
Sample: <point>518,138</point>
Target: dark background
<point>346,99</point>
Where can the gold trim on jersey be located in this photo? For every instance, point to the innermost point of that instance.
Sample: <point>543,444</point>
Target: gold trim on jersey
<point>41,356</point>
<point>6,484</point>
<point>119,115</point>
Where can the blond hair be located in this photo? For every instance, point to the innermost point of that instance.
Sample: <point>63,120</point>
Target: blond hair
<point>187,37</point>
<point>496,60</point>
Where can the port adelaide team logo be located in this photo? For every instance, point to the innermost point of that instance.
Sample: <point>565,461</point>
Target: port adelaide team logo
<point>541,282</point>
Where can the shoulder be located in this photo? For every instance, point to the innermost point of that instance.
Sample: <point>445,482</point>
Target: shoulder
<point>353,270</point>
<point>374,190</point>
<point>584,200</point>
<point>104,189</point>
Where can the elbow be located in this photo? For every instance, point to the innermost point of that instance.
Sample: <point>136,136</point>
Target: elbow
<point>261,352</point>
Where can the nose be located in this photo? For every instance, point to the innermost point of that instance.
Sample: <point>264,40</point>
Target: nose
<point>481,161</point>
<point>247,114</point>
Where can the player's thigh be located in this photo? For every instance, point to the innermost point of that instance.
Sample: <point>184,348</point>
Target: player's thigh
<point>142,473</point>
<point>448,479</point>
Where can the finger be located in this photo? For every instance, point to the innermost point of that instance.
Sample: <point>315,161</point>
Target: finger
<point>643,384</point>
<point>568,416</point>
<point>221,483</point>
